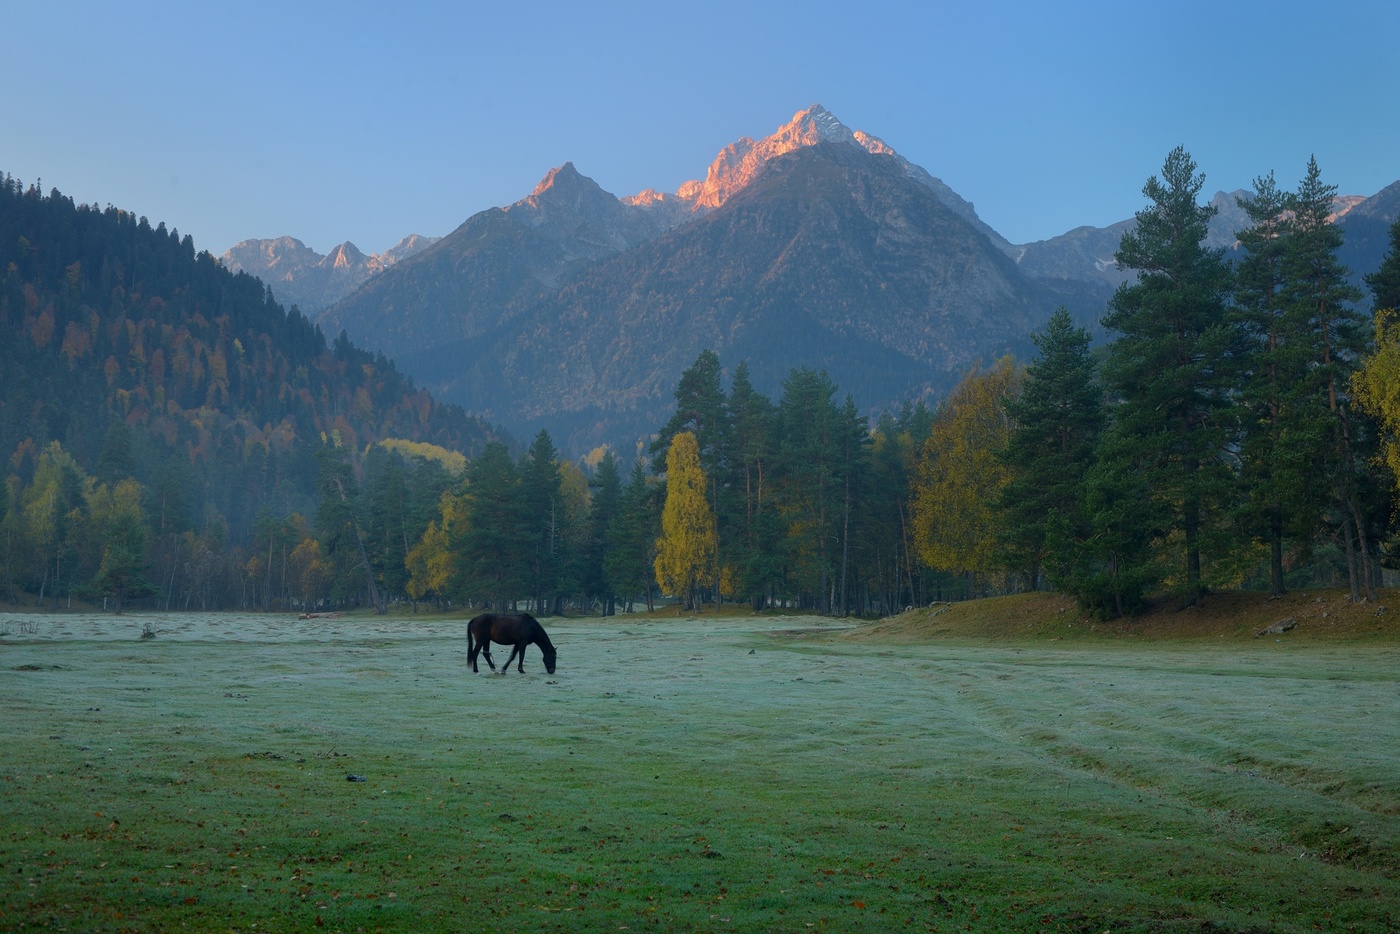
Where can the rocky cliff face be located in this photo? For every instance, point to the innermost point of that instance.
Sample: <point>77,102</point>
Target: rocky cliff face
<point>480,278</point>
<point>832,257</point>
<point>739,163</point>
<point>300,276</point>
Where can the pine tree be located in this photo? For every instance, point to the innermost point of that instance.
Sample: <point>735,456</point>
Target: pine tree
<point>630,563</point>
<point>749,516</point>
<point>1055,426</point>
<point>894,455</point>
<point>851,442</point>
<point>1333,335</point>
<point>543,517</point>
<point>808,489</point>
<point>121,528</point>
<point>604,508</point>
<point>1110,572</point>
<point>493,546</point>
<point>52,511</point>
<point>1274,468</point>
<point>338,521</point>
<point>1167,367</point>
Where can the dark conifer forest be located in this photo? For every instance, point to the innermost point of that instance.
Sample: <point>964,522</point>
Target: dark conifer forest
<point>128,358</point>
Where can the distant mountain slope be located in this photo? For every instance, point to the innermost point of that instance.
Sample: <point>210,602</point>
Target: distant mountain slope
<point>546,291</point>
<point>481,276</point>
<point>832,257</point>
<point>1366,226</point>
<point>105,320</point>
<point>300,276</point>
<point>1085,254</point>
<point>1083,257</point>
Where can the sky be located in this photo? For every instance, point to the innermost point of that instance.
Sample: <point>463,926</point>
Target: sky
<point>367,122</point>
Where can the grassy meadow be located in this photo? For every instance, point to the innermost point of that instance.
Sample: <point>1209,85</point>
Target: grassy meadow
<point>998,766</point>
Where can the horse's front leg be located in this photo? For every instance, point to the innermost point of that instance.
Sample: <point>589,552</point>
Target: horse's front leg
<point>513,652</point>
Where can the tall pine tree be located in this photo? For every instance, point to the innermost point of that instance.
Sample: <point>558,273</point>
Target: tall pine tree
<point>1055,426</point>
<point>1276,472</point>
<point>1166,368</point>
<point>1333,335</point>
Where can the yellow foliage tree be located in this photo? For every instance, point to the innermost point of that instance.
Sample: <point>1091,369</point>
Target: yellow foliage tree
<point>685,552</point>
<point>432,562</point>
<point>1377,385</point>
<point>310,572</point>
<point>454,461</point>
<point>959,476</point>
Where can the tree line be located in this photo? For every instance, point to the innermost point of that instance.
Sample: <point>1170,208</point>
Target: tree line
<point>1238,428</point>
<point>145,361</point>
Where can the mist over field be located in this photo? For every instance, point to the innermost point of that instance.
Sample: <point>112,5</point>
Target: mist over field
<point>683,774</point>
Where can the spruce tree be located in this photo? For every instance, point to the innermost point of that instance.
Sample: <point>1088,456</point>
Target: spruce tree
<point>808,490</point>
<point>1333,334</point>
<point>631,537</point>
<point>543,518</point>
<point>1275,470</point>
<point>1166,368</point>
<point>492,544</point>
<point>1056,422</point>
<point>605,505</point>
<point>749,519</point>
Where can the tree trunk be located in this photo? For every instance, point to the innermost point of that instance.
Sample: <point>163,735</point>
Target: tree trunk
<point>1276,555</point>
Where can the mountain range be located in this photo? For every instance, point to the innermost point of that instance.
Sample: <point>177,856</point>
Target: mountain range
<point>576,311</point>
<point>302,277</point>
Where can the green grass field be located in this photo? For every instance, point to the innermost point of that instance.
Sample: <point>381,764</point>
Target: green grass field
<point>711,775</point>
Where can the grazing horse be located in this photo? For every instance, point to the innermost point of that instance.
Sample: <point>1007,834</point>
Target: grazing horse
<point>514,629</point>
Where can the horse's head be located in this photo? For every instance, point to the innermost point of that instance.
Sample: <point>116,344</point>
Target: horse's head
<point>549,656</point>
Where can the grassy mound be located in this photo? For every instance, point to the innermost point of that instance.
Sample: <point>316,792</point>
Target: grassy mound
<point>1232,616</point>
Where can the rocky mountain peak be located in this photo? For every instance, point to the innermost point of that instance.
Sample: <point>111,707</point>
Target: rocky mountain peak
<point>346,256</point>
<point>270,255</point>
<point>563,177</point>
<point>738,163</point>
<point>300,276</point>
<point>413,243</point>
<point>564,193</point>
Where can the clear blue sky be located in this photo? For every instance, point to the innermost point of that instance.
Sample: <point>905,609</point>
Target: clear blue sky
<point>366,122</point>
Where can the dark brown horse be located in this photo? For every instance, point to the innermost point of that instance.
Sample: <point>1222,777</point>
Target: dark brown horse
<point>514,629</point>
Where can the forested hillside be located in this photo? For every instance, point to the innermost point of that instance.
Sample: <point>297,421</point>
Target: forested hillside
<point>127,356</point>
